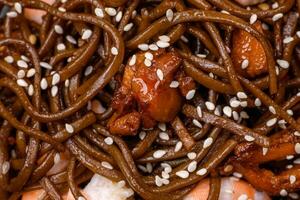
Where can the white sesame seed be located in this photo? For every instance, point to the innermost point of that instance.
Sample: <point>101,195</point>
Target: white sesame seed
<point>192,166</point>
<point>208,142</point>
<point>298,34</point>
<point>30,73</point>
<point>69,128</point>
<point>257,102</point>
<point>201,172</point>
<point>164,38</point>
<point>159,74</point>
<point>288,40</point>
<point>147,62</point>
<point>272,110</point>
<point>218,110</point>
<point>183,174</point>
<point>143,47</point>
<point>153,47</point>
<point>45,65</point>
<point>292,179</point>
<point>30,90</point>
<point>275,5</point>
<point>22,64</point>
<point>108,140</point>
<point>297,148</point>
<point>167,167</point>
<point>149,167</point>
<point>225,12</point>
<point>283,192</point>
<point>11,14</point>
<point>199,111</point>
<point>191,155</point>
<point>18,7</point>
<point>111,11</point>
<point>237,175</point>
<point>265,26</point>
<point>165,175</point>
<point>201,55</point>
<point>244,115</point>
<point>142,168</point>
<point>158,181</point>
<point>169,15</point>
<point>132,60</point>
<point>277,70</point>
<point>164,136</point>
<point>162,44</point>
<point>54,91</point>
<point>162,126</point>
<point>128,27</point>
<point>67,83</point>
<point>61,47</point>
<point>71,39</point>
<point>61,9</point>
<point>271,122</point>
<point>283,63</point>
<point>22,83</point>
<point>197,123</point>
<point>265,151</point>
<point>245,64</point>
<point>63,1</point>
<point>88,70</point>
<point>297,161</point>
<point>297,133</point>
<point>227,111</point>
<point>55,79</point>
<point>114,51</point>
<point>298,94</point>
<point>119,16</point>
<point>178,146</point>
<point>209,105</point>
<point>81,198</point>
<point>58,29</point>
<point>106,165</point>
<point>5,167</point>
<point>142,135</point>
<point>290,112</point>
<point>289,166</point>
<point>289,157</point>
<point>174,84</point>
<point>9,59</point>
<point>294,195</point>
<point>57,158</point>
<point>21,73</point>
<point>253,18</point>
<point>149,56</point>
<point>159,153</point>
<point>86,34</point>
<point>235,115</point>
<point>234,103</point>
<point>243,197</point>
<point>277,17</point>
<point>249,138</point>
<point>26,59</point>
<point>184,39</point>
<point>44,84</point>
<point>99,12</point>
<point>241,95</point>
<point>190,94</point>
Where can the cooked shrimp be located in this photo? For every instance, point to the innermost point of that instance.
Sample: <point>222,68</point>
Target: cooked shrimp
<point>37,15</point>
<point>231,189</point>
<point>99,188</point>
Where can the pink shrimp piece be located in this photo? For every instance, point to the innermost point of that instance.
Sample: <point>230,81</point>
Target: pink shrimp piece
<point>35,14</point>
<point>231,189</point>
<point>37,194</point>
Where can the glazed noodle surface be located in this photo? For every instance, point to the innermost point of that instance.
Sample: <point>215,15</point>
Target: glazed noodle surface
<point>153,95</point>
